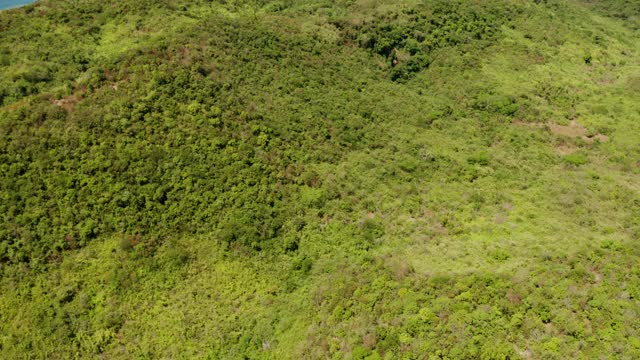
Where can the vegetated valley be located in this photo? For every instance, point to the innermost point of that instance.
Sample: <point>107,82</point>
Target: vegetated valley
<point>351,179</point>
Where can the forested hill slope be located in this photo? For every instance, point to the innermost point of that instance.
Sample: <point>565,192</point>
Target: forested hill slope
<point>320,179</point>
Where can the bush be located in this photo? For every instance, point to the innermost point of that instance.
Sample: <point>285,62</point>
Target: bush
<point>575,159</point>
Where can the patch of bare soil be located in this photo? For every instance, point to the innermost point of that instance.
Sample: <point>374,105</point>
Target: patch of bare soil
<point>573,130</point>
<point>597,277</point>
<point>600,137</point>
<point>566,149</point>
<point>67,102</point>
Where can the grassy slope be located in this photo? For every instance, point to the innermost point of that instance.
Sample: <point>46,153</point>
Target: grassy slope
<point>408,218</point>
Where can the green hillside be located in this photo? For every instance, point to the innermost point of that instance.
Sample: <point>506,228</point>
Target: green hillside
<point>317,179</point>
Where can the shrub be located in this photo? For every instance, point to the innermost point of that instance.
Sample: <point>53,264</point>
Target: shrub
<point>575,159</point>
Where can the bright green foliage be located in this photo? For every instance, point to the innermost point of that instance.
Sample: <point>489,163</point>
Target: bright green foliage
<point>576,159</point>
<point>320,179</point>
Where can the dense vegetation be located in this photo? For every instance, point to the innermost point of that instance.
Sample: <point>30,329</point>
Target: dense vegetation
<point>364,179</point>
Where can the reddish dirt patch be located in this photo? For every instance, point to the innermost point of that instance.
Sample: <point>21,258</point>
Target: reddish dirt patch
<point>573,130</point>
<point>513,297</point>
<point>566,149</point>
<point>600,137</point>
<point>369,341</point>
<point>67,102</point>
<point>526,353</point>
<point>597,277</point>
<point>440,229</point>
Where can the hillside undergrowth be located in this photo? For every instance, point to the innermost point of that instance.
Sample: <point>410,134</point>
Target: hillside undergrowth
<point>320,179</point>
